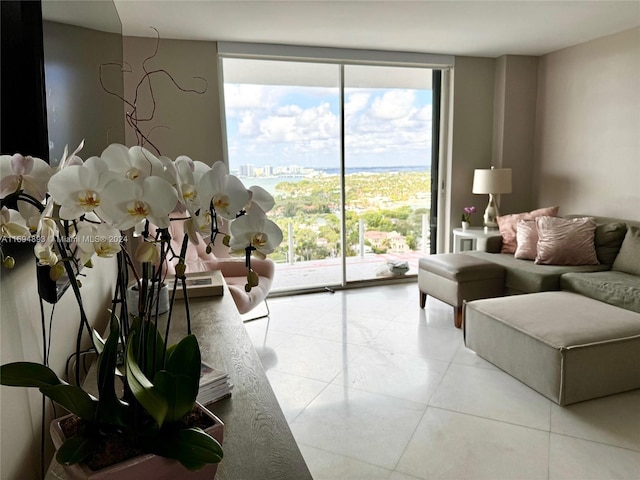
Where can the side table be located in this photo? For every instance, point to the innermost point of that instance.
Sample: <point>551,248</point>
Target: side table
<point>474,238</point>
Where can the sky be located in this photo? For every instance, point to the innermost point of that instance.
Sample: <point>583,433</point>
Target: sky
<point>284,125</point>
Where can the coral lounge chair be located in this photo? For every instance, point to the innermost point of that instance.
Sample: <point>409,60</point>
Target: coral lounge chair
<point>233,269</point>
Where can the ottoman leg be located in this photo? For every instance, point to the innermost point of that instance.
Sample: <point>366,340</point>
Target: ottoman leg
<point>457,317</point>
<point>423,299</point>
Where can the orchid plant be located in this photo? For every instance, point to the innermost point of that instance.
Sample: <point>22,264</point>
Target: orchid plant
<point>90,207</point>
<point>466,214</point>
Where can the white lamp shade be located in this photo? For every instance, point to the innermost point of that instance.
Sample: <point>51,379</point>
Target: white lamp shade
<point>492,181</point>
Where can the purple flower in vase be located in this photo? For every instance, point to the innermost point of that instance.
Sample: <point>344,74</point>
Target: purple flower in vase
<point>466,216</point>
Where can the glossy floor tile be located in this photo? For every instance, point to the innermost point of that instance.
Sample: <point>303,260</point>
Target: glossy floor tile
<point>375,388</point>
<point>458,446</point>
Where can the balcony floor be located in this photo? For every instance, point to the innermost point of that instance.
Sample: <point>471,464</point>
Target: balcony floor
<point>321,273</point>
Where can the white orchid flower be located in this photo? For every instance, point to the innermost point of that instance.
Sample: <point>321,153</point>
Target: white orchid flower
<point>103,240</point>
<point>127,202</point>
<point>45,254</point>
<point>30,214</point>
<point>260,197</point>
<point>29,174</point>
<point>256,230</point>
<point>73,159</point>
<point>47,231</point>
<point>12,224</point>
<point>77,188</point>
<point>147,252</point>
<point>185,183</point>
<point>46,235</point>
<point>225,192</point>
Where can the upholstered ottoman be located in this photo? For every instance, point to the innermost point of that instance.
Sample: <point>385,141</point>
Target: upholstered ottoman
<point>566,346</point>
<point>455,277</point>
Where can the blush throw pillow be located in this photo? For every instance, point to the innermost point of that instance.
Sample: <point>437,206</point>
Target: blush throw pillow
<point>508,226</point>
<point>527,240</point>
<point>628,259</point>
<point>566,241</point>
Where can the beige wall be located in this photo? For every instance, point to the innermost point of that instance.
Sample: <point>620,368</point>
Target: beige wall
<point>587,141</point>
<point>471,134</point>
<point>514,125</point>
<point>187,123</point>
<point>78,107</point>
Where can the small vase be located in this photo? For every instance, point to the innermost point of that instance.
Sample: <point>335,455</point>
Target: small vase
<point>132,299</point>
<point>465,225</point>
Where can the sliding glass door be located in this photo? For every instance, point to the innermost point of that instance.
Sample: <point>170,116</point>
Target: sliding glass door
<point>387,156</point>
<point>346,152</point>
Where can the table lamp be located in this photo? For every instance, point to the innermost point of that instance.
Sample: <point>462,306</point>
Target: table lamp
<point>494,181</point>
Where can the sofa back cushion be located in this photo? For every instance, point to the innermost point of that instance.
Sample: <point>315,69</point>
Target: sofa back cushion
<point>563,241</point>
<point>608,239</point>
<point>527,240</point>
<point>628,259</point>
<point>508,225</point>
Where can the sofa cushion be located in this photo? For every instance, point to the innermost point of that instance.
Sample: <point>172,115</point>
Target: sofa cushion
<point>615,288</point>
<point>508,225</point>
<point>524,276</point>
<point>566,241</point>
<point>527,236</point>
<point>608,239</point>
<point>628,259</point>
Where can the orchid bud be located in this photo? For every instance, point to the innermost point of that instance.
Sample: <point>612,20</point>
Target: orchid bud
<point>226,240</point>
<point>180,269</point>
<point>208,249</point>
<point>9,262</point>
<point>147,252</point>
<point>56,272</point>
<point>253,278</point>
<point>247,288</point>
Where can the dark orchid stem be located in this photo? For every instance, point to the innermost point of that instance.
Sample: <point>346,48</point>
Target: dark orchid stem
<point>119,295</point>
<point>13,199</point>
<point>183,255</point>
<point>247,255</point>
<point>84,321</point>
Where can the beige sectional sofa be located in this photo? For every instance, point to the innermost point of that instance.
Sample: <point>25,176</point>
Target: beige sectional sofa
<point>570,333</point>
<point>604,282</point>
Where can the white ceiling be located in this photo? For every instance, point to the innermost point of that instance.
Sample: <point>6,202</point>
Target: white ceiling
<point>475,28</point>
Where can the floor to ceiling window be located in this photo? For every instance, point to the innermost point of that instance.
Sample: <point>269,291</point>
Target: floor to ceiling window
<point>346,150</point>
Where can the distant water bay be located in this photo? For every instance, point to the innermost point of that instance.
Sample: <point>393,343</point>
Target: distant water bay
<point>269,183</point>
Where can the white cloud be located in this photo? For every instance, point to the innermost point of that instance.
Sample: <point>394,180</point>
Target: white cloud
<point>248,127</point>
<point>242,96</point>
<point>307,124</point>
<point>393,104</point>
<point>381,127</point>
<point>355,102</point>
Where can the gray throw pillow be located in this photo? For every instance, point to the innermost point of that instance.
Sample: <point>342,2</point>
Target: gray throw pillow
<point>628,260</point>
<point>608,239</point>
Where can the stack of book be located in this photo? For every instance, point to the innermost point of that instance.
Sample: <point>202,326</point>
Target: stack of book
<point>214,385</point>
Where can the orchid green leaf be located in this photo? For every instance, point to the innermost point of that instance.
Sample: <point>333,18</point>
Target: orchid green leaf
<point>74,399</point>
<point>184,359</point>
<point>28,374</point>
<point>192,447</point>
<point>144,391</point>
<point>179,391</point>
<point>110,408</point>
<point>76,449</point>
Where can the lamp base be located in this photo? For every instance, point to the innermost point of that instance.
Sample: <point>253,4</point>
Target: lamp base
<point>491,213</point>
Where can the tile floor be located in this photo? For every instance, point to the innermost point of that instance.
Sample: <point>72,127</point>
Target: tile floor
<point>375,388</point>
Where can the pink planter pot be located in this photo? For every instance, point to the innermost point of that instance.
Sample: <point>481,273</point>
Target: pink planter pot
<point>144,466</point>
